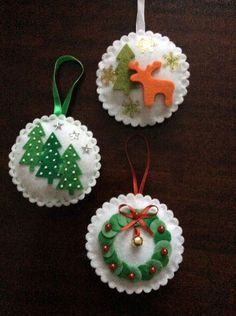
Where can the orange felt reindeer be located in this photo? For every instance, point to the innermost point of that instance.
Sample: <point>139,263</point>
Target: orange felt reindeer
<point>152,85</point>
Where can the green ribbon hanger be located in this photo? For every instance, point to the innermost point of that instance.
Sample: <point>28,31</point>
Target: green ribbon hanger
<point>58,107</point>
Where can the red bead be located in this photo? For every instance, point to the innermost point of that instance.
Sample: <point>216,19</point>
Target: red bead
<point>161,229</point>
<point>152,269</point>
<point>131,275</point>
<point>108,227</point>
<point>113,266</point>
<point>164,252</point>
<point>105,248</point>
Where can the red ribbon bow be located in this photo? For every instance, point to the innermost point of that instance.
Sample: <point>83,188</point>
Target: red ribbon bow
<point>137,217</point>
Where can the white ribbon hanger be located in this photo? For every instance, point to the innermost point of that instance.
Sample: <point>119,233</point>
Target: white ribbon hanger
<point>140,20</point>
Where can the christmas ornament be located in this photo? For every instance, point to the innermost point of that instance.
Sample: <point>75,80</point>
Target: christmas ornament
<point>134,242</point>
<point>55,160</point>
<point>142,78</point>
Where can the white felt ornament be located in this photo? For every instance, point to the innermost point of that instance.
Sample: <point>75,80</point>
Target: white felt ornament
<point>55,160</point>
<point>142,78</point>
<point>134,242</point>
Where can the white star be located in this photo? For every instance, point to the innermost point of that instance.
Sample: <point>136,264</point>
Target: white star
<point>86,149</point>
<point>74,135</point>
<point>58,125</point>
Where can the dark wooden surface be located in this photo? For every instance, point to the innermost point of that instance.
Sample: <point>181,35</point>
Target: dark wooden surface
<point>43,265</point>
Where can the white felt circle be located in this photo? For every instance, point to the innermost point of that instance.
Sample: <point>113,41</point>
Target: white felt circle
<point>68,131</point>
<point>147,47</point>
<point>126,251</point>
<point>130,254</point>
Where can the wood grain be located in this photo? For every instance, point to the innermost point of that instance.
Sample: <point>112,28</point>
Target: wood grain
<point>43,264</point>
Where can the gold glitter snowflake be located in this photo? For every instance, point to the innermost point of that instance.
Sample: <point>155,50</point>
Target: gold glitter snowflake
<point>146,45</point>
<point>108,75</point>
<point>130,107</point>
<point>171,61</point>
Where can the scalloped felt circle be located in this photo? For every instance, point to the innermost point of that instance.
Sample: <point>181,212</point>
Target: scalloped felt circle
<point>127,95</point>
<point>128,268</point>
<point>55,161</point>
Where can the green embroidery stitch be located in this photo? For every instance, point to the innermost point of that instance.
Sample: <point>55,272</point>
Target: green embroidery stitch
<point>145,271</point>
<point>33,148</point>
<point>50,160</point>
<point>123,72</point>
<point>70,172</point>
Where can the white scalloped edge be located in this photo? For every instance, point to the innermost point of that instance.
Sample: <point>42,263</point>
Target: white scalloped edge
<point>95,256</point>
<point>114,49</point>
<point>52,203</point>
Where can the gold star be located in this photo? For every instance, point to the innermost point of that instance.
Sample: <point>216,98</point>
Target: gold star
<point>171,61</point>
<point>130,107</point>
<point>146,45</point>
<point>108,75</point>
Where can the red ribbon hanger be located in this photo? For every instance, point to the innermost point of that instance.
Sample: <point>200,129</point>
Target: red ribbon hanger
<point>138,217</point>
<point>146,171</point>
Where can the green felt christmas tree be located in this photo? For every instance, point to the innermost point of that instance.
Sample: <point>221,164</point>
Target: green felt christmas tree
<point>123,72</point>
<point>33,148</point>
<point>50,160</point>
<point>70,172</point>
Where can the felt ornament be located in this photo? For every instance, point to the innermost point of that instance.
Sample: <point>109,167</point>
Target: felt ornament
<point>142,78</point>
<point>134,242</point>
<point>55,160</point>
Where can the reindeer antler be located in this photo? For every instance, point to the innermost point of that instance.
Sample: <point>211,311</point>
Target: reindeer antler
<point>134,65</point>
<point>154,66</point>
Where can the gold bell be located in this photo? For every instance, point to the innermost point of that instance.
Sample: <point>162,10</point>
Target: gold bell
<point>137,241</point>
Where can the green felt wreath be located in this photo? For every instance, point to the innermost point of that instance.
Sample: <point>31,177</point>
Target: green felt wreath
<point>146,271</point>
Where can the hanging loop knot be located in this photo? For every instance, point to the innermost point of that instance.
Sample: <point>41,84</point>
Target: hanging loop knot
<point>137,218</point>
<point>60,108</point>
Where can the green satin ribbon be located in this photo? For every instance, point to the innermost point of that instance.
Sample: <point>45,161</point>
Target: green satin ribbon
<point>60,108</point>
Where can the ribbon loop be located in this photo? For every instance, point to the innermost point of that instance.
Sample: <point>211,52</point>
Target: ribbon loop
<point>60,108</point>
<point>139,189</point>
<point>140,20</point>
<point>137,217</point>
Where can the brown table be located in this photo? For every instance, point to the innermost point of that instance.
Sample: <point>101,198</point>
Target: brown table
<point>43,265</point>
